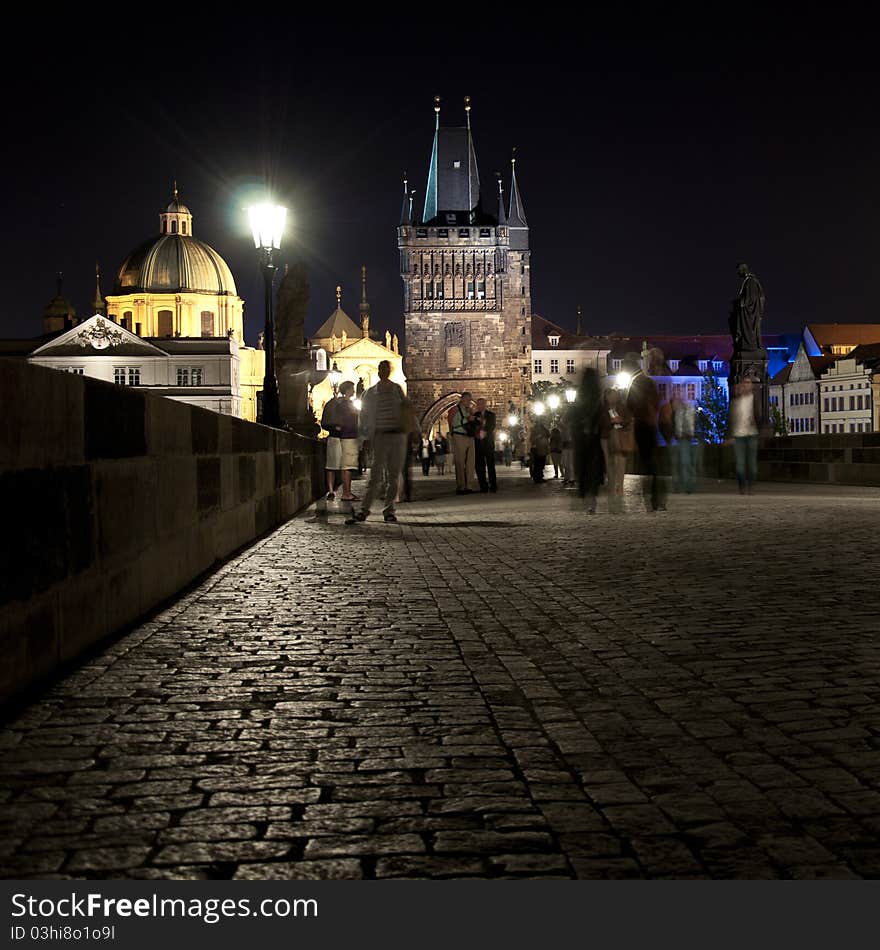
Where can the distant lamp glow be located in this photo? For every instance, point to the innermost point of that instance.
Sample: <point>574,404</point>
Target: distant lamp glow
<point>512,419</point>
<point>570,395</point>
<point>335,377</point>
<point>538,408</point>
<point>553,401</point>
<point>623,380</point>
<point>503,436</point>
<point>267,223</point>
<point>358,404</point>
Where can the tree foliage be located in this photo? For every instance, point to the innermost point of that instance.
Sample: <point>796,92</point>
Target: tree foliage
<point>712,410</point>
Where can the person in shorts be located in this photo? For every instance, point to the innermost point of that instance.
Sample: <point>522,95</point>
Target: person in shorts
<point>342,445</point>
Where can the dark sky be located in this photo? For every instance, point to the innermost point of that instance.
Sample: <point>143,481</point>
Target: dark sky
<point>654,154</point>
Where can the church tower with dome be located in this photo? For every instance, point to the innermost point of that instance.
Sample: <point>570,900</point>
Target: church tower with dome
<point>175,285</point>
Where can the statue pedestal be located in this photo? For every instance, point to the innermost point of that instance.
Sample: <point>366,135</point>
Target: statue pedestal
<point>752,364</point>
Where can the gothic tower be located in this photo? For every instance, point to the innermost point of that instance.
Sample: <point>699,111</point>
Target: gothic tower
<point>466,284</point>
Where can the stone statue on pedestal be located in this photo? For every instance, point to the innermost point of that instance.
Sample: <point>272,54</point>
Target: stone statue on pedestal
<point>292,363</point>
<point>746,312</point>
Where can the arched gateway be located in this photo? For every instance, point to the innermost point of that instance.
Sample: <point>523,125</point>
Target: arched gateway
<point>434,416</point>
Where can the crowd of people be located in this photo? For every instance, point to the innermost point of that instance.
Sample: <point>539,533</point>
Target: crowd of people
<point>590,445</point>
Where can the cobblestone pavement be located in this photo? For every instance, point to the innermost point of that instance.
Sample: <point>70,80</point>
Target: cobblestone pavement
<point>498,686</point>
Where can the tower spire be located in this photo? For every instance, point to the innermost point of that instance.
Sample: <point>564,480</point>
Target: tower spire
<point>98,303</point>
<point>467,110</point>
<point>519,228</point>
<point>406,208</point>
<point>364,305</point>
<point>578,330</point>
<point>338,297</point>
<point>502,215</point>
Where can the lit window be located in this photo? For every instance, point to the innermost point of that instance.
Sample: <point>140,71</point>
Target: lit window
<point>119,375</point>
<point>692,391</point>
<point>134,375</point>
<point>673,365</point>
<point>182,376</point>
<point>481,290</point>
<point>195,376</point>
<point>553,340</point>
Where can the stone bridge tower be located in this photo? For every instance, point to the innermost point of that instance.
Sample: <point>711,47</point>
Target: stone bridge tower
<point>466,284</point>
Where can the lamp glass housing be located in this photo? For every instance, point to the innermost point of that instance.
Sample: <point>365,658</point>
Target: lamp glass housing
<point>267,224</point>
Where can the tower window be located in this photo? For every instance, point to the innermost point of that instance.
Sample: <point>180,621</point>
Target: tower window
<point>174,227</point>
<point>183,226</point>
<point>207,323</point>
<point>442,232</point>
<point>485,232</point>
<point>464,232</point>
<point>166,323</point>
<point>126,319</point>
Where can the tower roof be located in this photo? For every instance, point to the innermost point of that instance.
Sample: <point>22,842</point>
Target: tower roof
<point>519,227</point>
<point>453,176</point>
<point>337,322</point>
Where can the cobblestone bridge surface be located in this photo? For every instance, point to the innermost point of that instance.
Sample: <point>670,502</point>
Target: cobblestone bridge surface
<point>498,686</point>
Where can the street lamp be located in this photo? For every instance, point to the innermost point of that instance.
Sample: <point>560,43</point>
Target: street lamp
<point>267,224</point>
<point>335,377</point>
<point>623,380</point>
<point>553,401</point>
<point>570,394</point>
<point>538,408</point>
<point>512,419</point>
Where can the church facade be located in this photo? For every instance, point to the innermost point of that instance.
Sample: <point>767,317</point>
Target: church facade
<point>466,275</point>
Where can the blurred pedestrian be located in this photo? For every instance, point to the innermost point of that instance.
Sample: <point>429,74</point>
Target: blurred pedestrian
<point>340,418</point>
<point>508,452</point>
<point>618,443</point>
<point>382,428</point>
<point>587,424</point>
<point>412,429</point>
<point>742,430</point>
<point>684,429</point>
<point>641,401</point>
<point>540,449</point>
<point>441,450</point>
<point>484,447</point>
<point>463,428</point>
<point>426,455</point>
<point>556,450</point>
<point>565,426</point>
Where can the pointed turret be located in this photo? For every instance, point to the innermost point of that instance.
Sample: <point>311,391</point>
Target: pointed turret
<point>519,228</point>
<point>99,305</point>
<point>60,314</point>
<point>364,307</point>
<point>453,192</point>
<point>579,330</point>
<point>406,208</point>
<point>502,214</point>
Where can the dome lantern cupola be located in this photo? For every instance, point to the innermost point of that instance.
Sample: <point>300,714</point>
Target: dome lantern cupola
<point>176,218</point>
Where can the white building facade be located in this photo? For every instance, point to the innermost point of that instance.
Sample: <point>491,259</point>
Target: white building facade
<point>846,391</point>
<point>202,373</point>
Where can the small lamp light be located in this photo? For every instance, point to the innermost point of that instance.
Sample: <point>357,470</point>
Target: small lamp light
<point>267,223</point>
<point>538,408</point>
<point>570,395</point>
<point>553,401</point>
<point>512,419</point>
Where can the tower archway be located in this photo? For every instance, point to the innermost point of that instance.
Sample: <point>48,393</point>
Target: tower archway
<point>434,417</point>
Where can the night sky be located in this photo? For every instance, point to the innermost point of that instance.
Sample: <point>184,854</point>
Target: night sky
<point>653,155</point>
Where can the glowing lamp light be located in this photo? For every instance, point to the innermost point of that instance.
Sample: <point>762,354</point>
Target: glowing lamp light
<point>570,395</point>
<point>267,223</point>
<point>538,408</point>
<point>512,419</point>
<point>623,380</point>
<point>553,401</point>
<point>502,436</point>
<point>358,404</point>
<point>335,376</point>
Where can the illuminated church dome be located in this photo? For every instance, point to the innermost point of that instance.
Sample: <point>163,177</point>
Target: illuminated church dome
<point>176,286</point>
<point>175,261</point>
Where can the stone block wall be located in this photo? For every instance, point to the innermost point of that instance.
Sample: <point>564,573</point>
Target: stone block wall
<point>116,499</point>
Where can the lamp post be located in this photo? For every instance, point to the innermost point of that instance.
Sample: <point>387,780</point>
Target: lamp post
<point>335,377</point>
<point>570,395</point>
<point>267,224</point>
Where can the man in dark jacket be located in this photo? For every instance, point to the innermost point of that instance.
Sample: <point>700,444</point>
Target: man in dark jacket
<point>484,447</point>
